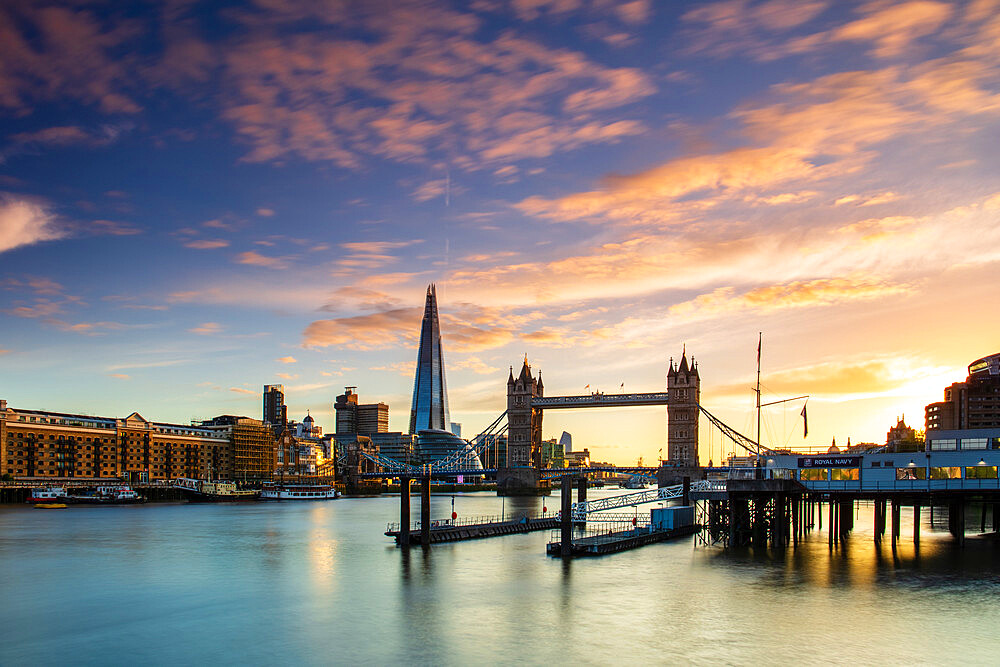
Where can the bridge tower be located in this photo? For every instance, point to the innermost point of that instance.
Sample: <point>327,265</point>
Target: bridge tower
<point>524,430</point>
<point>684,387</point>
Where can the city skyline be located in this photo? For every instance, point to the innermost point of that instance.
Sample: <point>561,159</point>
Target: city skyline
<point>196,202</point>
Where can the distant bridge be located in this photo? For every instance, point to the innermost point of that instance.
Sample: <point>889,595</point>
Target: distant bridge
<point>599,400</point>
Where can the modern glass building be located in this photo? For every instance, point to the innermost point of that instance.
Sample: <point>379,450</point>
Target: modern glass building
<point>429,409</point>
<point>435,444</point>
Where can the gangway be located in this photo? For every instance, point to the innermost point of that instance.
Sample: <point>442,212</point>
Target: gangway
<point>582,510</point>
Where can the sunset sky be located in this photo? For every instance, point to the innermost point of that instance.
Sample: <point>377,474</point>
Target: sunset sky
<point>197,199</point>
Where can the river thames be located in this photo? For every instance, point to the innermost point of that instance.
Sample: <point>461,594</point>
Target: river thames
<point>318,583</point>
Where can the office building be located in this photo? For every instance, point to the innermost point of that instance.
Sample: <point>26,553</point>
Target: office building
<point>972,404</point>
<point>275,412</point>
<point>429,408</point>
<point>354,418</point>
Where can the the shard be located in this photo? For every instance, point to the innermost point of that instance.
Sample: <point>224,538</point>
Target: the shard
<point>430,391</point>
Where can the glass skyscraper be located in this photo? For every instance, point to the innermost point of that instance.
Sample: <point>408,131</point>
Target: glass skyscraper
<point>429,409</point>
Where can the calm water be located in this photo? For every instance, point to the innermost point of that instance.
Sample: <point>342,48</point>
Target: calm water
<point>318,583</point>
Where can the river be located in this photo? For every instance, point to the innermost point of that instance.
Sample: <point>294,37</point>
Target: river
<point>318,583</point>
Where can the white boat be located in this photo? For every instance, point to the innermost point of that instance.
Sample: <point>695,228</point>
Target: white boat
<point>299,492</point>
<point>47,494</point>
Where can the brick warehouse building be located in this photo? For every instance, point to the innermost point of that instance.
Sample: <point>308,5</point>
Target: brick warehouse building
<point>52,445</point>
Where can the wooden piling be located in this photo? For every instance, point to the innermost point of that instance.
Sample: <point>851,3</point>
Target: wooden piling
<point>916,523</point>
<point>404,512</point>
<point>566,524</point>
<point>425,511</point>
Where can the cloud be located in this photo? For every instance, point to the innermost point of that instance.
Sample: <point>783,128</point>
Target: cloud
<point>827,379</point>
<point>3,352</point>
<point>54,53</point>
<point>112,228</point>
<point>120,376</point>
<point>53,136</point>
<point>404,368</point>
<point>23,223</point>
<point>819,292</point>
<point>424,83</point>
<point>286,376</point>
<point>893,29</point>
<point>248,392</point>
<point>287,360</point>
<point>256,259</point>
<point>474,364</point>
<point>265,212</point>
<point>207,244</point>
<point>207,328</point>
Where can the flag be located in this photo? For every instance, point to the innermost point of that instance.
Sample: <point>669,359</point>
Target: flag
<point>623,385</point>
<point>587,387</point>
<point>758,351</point>
<point>805,422</point>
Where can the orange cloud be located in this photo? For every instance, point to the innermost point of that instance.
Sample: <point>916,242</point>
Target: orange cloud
<point>207,328</point>
<point>287,360</point>
<point>256,259</point>
<point>207,244</point>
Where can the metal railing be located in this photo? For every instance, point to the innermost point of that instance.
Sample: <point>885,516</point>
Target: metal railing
<point>604,534</point>
<point>902,485</point>
<point>582,510</point>
<point>438,524</point>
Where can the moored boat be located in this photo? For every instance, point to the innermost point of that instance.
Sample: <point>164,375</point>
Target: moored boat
<point>51,506</point>
<point>109,494</point>
<point>47,494</point>
<point>199,490</point>
<point>298,492</point>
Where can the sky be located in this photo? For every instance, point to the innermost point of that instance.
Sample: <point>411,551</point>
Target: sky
<point>200,198</point>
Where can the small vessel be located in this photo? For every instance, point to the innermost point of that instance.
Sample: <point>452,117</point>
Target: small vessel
<point>47,494</point>
<point>298,492</point>
<point>199,490</point>
<point>51,506</point>
<point>633,482</point>
<point>109,494</point>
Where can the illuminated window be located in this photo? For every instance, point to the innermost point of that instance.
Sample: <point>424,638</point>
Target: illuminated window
<point>844,474</point>
<point>981,472</point>
<point>911,473</point>
<point>952,472</point>
<point>815,474</point>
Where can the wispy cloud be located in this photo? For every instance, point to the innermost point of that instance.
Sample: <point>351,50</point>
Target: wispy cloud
<point>208,328</point>
<point>24,222</point>
<point>256,259</point>
<point>287,360</point>
<point>207,244</point>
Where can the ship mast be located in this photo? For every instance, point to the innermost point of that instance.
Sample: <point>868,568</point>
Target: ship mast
<point>760,338</point>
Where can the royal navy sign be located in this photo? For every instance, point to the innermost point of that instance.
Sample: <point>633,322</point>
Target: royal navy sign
<point>830,462</point>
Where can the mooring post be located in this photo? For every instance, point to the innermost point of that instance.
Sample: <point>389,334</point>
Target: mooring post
<point>795,519</point>
<point>916,523</point>
<point>404,512</point>
<point>832,529</point>
<point>895,521</point>
<point>425,511</point>
<point>959,505</point>
<point>581,495</point>
<point>566,539</point>
<point>995,513</point>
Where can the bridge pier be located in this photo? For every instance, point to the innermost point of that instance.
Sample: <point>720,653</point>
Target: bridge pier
<point>566,524</point>
<point>425,511</point>
<point>916,523</point>
<point>404,512</point>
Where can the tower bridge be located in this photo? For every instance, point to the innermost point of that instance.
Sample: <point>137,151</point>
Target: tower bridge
<point>599,400</point>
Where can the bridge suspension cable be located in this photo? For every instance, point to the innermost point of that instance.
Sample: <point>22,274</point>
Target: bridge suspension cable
<point>743,441</point>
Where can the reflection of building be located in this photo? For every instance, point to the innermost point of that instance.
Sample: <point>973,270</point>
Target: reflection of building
<point>35,443</point>
<point>974,403</point>
<point>354,418</point>
<point>684,387</point>
<point>275,412</point>
<point>429,409</point>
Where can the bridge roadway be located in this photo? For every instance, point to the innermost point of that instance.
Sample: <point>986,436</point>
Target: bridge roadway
<point>599,400</point>
<point>486,472</point>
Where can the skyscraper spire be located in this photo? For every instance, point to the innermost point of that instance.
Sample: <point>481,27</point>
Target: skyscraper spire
<point>429,408</point>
